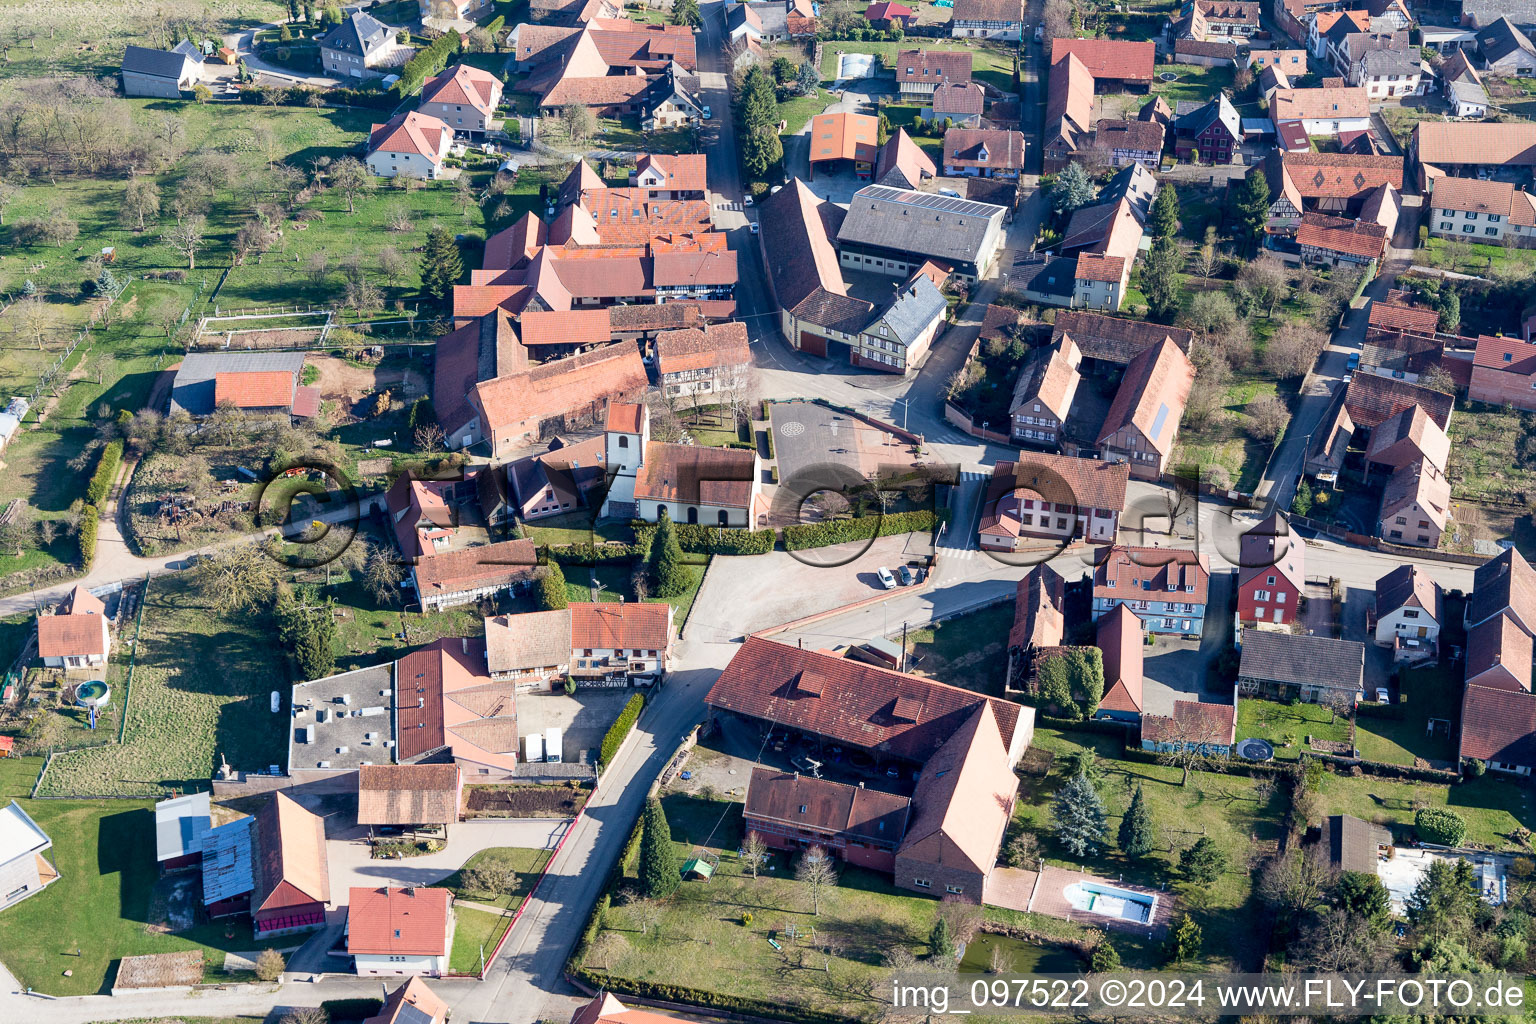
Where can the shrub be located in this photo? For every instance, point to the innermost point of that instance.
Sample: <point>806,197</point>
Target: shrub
<point>839,531</point>
<point>1475,767</point>
<point>552,594</point>
<point>1440,825</point>
<point>710,540</point>
<point>106,471</point>
<point>269,966</point>
<point>90,522</point>
<point>620,728</point>
<point>660,873</point>
<point>352,1009</point>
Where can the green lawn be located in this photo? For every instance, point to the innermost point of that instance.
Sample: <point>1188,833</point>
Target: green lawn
<point>1287,726</point>
<point>578,528</point>
<point>475,932</point>
<point>1194,82</point>
<point>796,112</point>
<point>200,690</point>
<point>105,853</point>
<point>1482,259</point>
<point>701,941</point>
<point>1483,462</point>
<point>1494,806</point>
<point>990,63</point>
<point>527,864</point>
<point>1240,814</point>
<point>616,581</point>
<point>969,650</point>
<point>625,133</point>
<point>1399,734</point>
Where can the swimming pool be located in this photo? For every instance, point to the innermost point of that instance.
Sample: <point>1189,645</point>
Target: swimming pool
<point>1107,901</point>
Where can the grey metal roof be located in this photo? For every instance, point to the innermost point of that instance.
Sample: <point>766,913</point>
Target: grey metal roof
<point>228,861</point>
<point>1467,91</point>
<point>1391,62</point>
<point>917,306</point>
<point>1043,274</point>
<point>361,34</point>
<point>188,49</point>
<point>180,825</point>
<point>1302,660</point>
<point>165,64</point>
<point>919,222</point>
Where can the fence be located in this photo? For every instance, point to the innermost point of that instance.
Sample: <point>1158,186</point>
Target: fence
<point>133,658</point>
<point>1376,543</point>
<point>49,375</point>
<point>966,422</point>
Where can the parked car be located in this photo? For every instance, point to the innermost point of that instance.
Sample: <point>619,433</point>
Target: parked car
<point>753,227</point>
<point>1382,696</point>
<point>950,192</point>
<point>709,115</point>
<point>746,200</point>
<point>1353,363</point>
<point>886,579</point>
<point>904,574</point>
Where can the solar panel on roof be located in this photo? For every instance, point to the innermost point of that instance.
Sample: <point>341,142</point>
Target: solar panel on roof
<point>412,1014</point>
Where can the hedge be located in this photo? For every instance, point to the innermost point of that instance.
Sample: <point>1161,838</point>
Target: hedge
<point>339,97</point>
<point>593,554</point>
<point>1440,825</point>
<point>428,62</point>
<point>89,523</point>
<point>709,540</point>
<point>620,728</point>
<point>840,531</point>
<point>106,472</point>
<point>352,1009</point>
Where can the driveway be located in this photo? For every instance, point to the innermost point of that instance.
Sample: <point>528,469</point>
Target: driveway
<point>1175,669</point>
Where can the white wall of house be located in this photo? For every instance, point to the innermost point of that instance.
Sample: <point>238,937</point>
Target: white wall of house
<point>1105,295</point>
<point>409,165</point>
<point>605,661</point>
<point>1329,126</point>
<point>707,515</point>
<point>1013,30</point>
<point>1472,226</point>
<point>1406,622</point>
<point>459,117</point>
<point>370,965</point>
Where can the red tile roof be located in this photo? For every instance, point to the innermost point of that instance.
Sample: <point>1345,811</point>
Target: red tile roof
<point>1372,398</point>
<point>463,85</point>
<point>844,136</point>
<point>614,625</point>
<point>1037,603</point>
<point>696,475</point>
<point>1109,58</point>
<point>1499,654</point>
<point>398,922</point>
<point>407,794</point>
<point>1392,316</point>
<point>1094,267</point>
<point>564,327</point>
<point>1120,640</point>
<point>75,634</point>
<point>848,701</point>
<point>1063,479</point>
<point>411,132</point>
<point>1498,725</point>
<point>933,66</point>
<point>1151,574</point>
<point>450,572</point>
<point>984,147</point>
<point>800,801</point>
<point>605,1008</point>
<point>717,345</point>
<point>625,417</point>
<point>291,868</point>
<point>1509,355</point>
<point>560,387</point>
<point>1151,395</point>
<point>1363,239</point>
<point>1341,175</point>
<point>254,389</point>
<point>684,172</point>
<point>421,1000</point>
<point>1193,722</point>
<point>447,698</point>
<point>964,797</point>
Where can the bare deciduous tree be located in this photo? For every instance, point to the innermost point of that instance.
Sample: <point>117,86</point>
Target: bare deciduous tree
<point>236,579</point>
<point>351,179</point>
<point>1293,349</point>
<point>186,238</point>
<point>816,871</point>
<point>753,849</point>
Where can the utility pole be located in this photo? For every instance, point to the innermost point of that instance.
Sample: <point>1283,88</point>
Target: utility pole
<point>901,664</point>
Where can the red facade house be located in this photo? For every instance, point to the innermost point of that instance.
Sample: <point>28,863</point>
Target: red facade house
<point>791,811</point>
<point>1270,578</point>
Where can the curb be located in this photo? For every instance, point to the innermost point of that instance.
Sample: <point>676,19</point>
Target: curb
<point>867,602</point>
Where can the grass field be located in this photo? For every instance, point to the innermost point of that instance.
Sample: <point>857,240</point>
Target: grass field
<point>88,36</point>
<point>1483,462</point>
<point>474,932</point>
<point>1194,82</point>
<point>1401,737</point>
<point>527,864</point>
<point>989,63</point>
<point>1287,726</point>
<point>200,690</point>
<point>105,853</point>
<point>796,112</point>
<point>1484,259</point>
<point>1493,806</point>
<point>616,581</point>
<point>968,650</point>
<point>1240,814</point>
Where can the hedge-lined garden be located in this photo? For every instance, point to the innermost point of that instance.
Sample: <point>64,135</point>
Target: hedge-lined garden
<point>620,728</point>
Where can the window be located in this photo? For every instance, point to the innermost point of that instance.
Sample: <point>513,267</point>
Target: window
<point>1410,613</point>
<point>1401,521</point>
<point>1270,581</point>
<point>623,441</point>
<point>1280,597</point>
<point>1396,534</point>
<point>954,888</point>
<point>1467,229</point>
<point>1494,218</point>
<point>1490,231</point>
<point>1261,595</point>
<point>922,883</point>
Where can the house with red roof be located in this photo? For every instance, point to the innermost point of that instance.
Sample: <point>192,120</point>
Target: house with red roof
<point>606,1009</point>
<point>446,579</point>
<point>259,383</point>
<point>464,98</point>
<point>1121,641</point>
<point>1194,724</point>
<point>1409,605</point>
<point>1056,497</point>
<point>687,482</point>
<point>1143,421</point>
<point>1335,241</point>
<point>671,176</point>
<point>410,144</point>
<point>411,1003</point>
<point>605,643</point>
<point>448,706</point>
<point>1167,588</point>
<point>1270,573</point>
<point>790,811</point>
<point>75,635</point>
<point>399,931</point>
<point>1117,65</point>
<point>887,15</point>
<point>713,360</point>
<point>1504,372</point>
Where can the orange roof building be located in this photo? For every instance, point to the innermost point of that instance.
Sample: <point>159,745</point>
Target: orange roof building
<point>292,879</point>
<point>75,635</point>
<point>412,1003</point>
<point>399,931</point>
<point>844,137</point>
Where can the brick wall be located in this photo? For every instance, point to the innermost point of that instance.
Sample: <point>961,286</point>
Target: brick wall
<point>1498,387</point>
<point>970,882</point>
